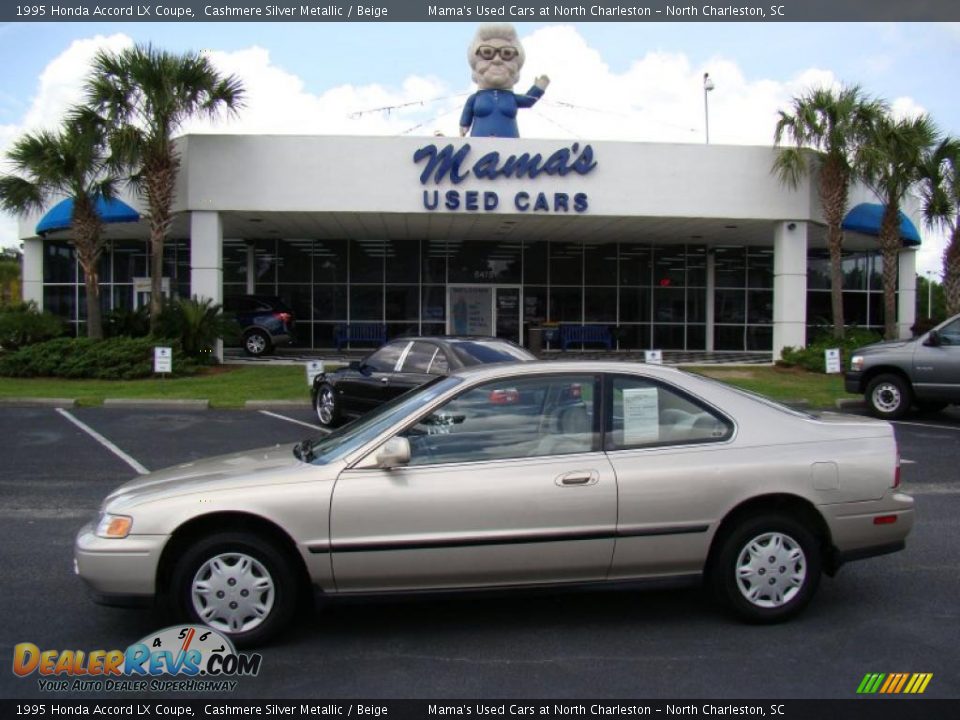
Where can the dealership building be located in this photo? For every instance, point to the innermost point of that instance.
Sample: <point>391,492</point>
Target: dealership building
<point>669,246</point>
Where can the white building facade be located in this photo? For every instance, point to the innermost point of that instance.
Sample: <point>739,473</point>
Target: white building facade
<point>674,247</point>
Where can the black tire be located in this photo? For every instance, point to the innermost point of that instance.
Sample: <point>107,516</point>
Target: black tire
<point>889,397</point>
<point>785,568</point>
<point>266,563</point>
<point>325,405</point>
<point>930,406</point>
<point>257,343</point>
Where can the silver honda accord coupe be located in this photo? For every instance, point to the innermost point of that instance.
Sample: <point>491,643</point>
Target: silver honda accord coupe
<point>512,475</point>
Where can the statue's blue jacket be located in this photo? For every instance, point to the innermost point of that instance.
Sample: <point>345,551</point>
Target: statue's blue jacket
<point>493,113</point>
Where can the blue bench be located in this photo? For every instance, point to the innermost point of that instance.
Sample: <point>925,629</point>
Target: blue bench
<point>577,334</point>
<point>360,333</point>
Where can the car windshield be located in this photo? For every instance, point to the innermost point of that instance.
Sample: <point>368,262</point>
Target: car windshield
<point>476,352</point>
<point>344,440</point>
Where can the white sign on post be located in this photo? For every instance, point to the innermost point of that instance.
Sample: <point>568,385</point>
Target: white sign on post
<point>832,360</point>
<point>314,368</point>
<point>654,357</point>
<point>162,360</point>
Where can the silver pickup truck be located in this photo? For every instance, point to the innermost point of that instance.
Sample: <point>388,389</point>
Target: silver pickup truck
<point>894,376</point>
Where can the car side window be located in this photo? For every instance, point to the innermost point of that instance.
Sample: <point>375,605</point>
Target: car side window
<point>438,363</point>
<point>644,413</point>
<point>513,418</point>
<point>385,359</point>
<point>950,335</point>
<point>419,357</point>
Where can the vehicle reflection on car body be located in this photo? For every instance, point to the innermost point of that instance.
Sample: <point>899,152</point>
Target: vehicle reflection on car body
<point>514,475</point>
<point>400,366</point>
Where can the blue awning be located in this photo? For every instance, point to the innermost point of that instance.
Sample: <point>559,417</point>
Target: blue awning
<point>60,216</point>
<point>866,217</point>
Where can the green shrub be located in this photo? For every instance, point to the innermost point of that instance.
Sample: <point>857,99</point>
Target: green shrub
<point>23,324</point>
<point>112,359</point>
<point>128,323</point>
<point>197,324</point>
<point>812,357</point>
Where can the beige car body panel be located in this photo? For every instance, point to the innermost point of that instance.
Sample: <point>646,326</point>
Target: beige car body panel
<point>645,513</point>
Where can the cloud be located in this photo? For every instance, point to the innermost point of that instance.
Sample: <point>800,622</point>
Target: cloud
<point>659,97</point>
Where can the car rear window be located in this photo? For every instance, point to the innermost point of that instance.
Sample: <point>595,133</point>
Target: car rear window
<point>480,352</point>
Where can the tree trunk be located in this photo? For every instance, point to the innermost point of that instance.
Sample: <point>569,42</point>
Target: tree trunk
<point>160,177</point>
<point>94,315</point>
<point>951,273</point>
<point>87,227</point>
<point>833,199</point>
<point>890,249</point>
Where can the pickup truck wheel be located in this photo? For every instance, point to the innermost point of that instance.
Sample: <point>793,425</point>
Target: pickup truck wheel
<point>889,397</point>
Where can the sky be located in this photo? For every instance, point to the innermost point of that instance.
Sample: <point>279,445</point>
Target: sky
<point>610,81</point>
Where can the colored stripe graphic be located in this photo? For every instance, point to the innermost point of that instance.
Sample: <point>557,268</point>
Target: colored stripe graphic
<point>894,683</point>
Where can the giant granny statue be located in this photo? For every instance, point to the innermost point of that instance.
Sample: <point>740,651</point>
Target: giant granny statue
<point>496,56</point>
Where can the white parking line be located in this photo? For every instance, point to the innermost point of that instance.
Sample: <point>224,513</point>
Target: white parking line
<point>904,461</point>
<point>293,420</point>
<point>106,443</point>
<point>926,425</point>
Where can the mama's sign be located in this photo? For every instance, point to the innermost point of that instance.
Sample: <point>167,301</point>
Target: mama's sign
<point>452,164</point>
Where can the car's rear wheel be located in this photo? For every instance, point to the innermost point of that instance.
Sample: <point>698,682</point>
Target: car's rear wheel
<point>237,583</point>
<point>767,569</point>
<point>257,343</point>
<point>325,405</point>
<point>889,397</point>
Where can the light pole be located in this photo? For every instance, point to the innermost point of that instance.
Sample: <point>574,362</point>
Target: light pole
<point>929,274</point>
<point>707,87</point>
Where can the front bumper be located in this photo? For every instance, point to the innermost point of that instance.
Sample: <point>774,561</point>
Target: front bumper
<point>853,382</point>
<point>118,571</point>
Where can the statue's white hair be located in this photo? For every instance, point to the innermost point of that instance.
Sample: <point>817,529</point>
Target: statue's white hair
<point>495,31</point>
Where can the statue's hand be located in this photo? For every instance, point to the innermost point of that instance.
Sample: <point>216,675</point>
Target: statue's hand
<point>542,82</point>
<point>464,131</point>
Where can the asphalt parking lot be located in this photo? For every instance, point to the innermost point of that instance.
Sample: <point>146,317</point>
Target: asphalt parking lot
<point>897,613</point>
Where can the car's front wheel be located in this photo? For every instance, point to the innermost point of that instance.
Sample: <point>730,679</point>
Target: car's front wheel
<point>256,343</point>
<point>325,405</point>
<point>768,568</point>
<point>237,583</point>
<point>889,397</point>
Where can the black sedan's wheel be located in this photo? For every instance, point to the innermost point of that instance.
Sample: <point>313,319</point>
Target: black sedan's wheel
<point>889,397</point>
<point>256,343</point>
<point>768,568</point>
<point>325,404</point>
<point>237,583</point>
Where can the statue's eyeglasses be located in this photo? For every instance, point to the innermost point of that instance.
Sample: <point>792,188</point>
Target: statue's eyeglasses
<point>489,52</point>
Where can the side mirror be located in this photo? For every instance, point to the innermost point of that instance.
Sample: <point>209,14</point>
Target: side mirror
<point>933,339</point>
<point>393,453</point>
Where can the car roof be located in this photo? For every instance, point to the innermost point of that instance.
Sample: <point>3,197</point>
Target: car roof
<point>495,370</point>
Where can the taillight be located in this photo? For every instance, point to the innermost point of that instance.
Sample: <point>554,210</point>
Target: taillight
<point>506,396</point>
<point>283,317</point>
<point>896,472</point>
<point>576,391</point>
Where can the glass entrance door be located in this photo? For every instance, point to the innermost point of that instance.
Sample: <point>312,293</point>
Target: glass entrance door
<point>484,310</point>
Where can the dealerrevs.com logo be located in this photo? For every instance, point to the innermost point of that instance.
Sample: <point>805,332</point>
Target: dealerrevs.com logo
<point>894,683</point>
<point>184,658</point>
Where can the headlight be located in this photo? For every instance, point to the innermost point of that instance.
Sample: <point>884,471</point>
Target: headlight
<point>114,527</point>
<point>856,363</point>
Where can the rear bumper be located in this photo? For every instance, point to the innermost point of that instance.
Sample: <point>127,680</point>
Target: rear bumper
<point>856,534</point>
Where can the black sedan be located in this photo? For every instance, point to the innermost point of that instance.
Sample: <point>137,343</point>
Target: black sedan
<point>399,366</point>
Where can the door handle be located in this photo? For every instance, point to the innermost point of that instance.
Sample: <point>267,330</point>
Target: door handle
<point>384,380</point>
<point>578,478</point>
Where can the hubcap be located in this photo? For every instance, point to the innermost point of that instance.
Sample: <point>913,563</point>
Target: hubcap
<point>325,405</point>
<point>886,397</point>
<point>256,344</point>
<point>233,593</point>
<point>771,570</point>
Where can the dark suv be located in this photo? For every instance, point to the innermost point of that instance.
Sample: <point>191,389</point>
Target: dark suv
<point>265,321</point>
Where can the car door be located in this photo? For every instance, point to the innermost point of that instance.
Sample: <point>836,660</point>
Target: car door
<point>367,387</point>
<point>506,485</point>
<point>937,367</point>
<point>675,468</point>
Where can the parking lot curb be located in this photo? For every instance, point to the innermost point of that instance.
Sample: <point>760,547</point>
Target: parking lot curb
<point>156,403</point>
<point>267,404</point>
<point>41,402</point>
<point>847,404</point>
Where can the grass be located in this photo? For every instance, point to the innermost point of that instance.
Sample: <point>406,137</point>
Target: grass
<point>232,385</point>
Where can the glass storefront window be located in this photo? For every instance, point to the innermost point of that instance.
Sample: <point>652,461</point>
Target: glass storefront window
<point>434,261</point>
<point>294,261</point>
<point>696,266</point>
<point>730,267</point>
<point>759,307</point>
<point>728,306</point>
<point>635,265</point>
<point>669,305</point>
<point>330,261</point>
<point>366,261</point>
<point>483,261</point>
<point>403,302</point>
<point>669,267</point>
<point>59,262</point>
<point>129,260</point>
<point>634,304</point>
<point>535,263</point>
<point>234,261</point>
<point>329,302</point>
<point>366,302</point>
<point>61,300</point>
<point>566,263</point>
<point>265,263</point>
<point>600,304</point>
<point>760,268</point>
<point>600,263</point>
<point>565,305</point>
<point>433,306</point>
<point>402,261</point>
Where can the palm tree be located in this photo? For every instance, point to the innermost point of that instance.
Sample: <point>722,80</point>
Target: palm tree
<point>890,165</point>
<point>825,129</point>
<point>146,95</point>
<point>940,190</point>
<point>72,163</point>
